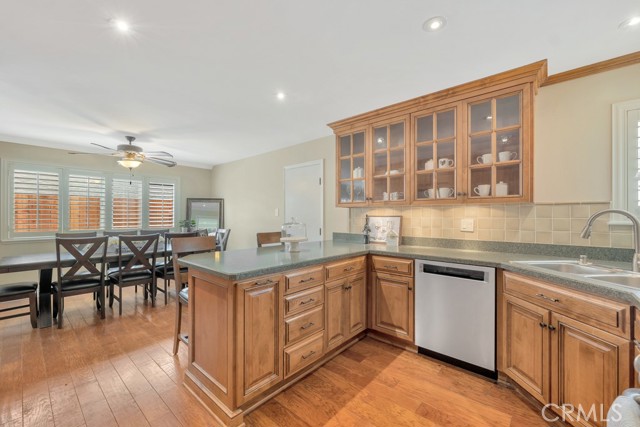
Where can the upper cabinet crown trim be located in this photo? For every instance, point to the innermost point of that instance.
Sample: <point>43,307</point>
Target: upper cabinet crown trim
<point>598,67</point>
<point>535,73</point>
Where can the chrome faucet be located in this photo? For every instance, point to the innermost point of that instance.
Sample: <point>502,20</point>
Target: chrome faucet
<point>586,231</point>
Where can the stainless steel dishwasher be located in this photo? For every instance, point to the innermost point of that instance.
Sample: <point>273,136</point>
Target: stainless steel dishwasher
<point>455,312</point>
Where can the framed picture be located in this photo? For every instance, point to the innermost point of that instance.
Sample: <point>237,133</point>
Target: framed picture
<point>381,225</point>
<point>207,213</point>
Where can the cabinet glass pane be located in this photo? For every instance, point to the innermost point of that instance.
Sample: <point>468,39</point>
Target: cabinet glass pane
<point>396,165</point>
<point>424,159</point>
<point>424,129</point>
<point>380,189</point>
<point>345,146</point>
<point>446,155</point>
<point>396,187</point>
<point>345,192</point>
<point>480,183</point>
<point>508,180</point>
<point>358,162</point>
<point>380,164</point>
<point>358,190</point>
<point>508,145</point>
<point>380,138</point>
<point>480,150</point>
<point>481,117</point>
<point>424,188</point>
<point>508,111</point>
<point>446,185</point>
<point>396,133</point>
<point>345,169</point>
<point>446,124</point>
<point>358,143</point>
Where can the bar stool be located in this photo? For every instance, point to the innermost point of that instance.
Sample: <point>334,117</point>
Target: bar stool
<point>20,290</point>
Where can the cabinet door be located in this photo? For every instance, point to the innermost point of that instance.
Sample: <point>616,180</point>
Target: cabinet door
<point>393,305</point>
<point>356,305</point>
<point>526,346</point>
<point>389,162</point>
<point>589,369</point>
<point>498,146</point>
<point>260,343</point>
<point>436,160</point>
<point>351,169</point>
<point>335,312</point>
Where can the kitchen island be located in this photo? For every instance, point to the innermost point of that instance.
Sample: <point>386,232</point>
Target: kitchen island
<point>261,319</point>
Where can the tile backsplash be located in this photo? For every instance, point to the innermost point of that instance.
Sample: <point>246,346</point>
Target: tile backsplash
<point>521,223</point>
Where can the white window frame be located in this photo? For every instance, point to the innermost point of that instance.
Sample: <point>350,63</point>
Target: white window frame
<point>7,166</point>
<point>620,161</point>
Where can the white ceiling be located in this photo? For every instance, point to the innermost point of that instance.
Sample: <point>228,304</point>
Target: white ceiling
<point>198,78</point>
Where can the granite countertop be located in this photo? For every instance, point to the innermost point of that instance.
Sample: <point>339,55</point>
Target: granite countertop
<point>248,263</point>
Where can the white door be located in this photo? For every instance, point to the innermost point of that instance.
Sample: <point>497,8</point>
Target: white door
<point>303,196</point>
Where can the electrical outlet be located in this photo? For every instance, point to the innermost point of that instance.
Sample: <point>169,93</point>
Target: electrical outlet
<point>467,225</point>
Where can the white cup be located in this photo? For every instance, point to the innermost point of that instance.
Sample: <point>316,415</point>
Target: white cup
<point>394,195</point>
<point>445,192</point>
<point>482,189</point>
<point>505,156</point>
<point>502,189</point>
<point>445,163</point>
<point>485,159</point>
<point>428,165</point>
<point>385,196</point>
<point>429,194</point>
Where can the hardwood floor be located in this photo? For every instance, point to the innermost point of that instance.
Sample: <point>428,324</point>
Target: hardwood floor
<point>120,371</point>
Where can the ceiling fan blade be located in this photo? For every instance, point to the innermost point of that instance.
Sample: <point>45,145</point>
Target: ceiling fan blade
<point>158,154</point>
<point>163,162</point>
<point>78,152</point>
<point>102,146</point>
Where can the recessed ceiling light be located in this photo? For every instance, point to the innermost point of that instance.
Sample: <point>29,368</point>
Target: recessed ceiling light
<point>434,24</point>
<point>122,26</point>
<point>280,96</point>
<point>629,23</point>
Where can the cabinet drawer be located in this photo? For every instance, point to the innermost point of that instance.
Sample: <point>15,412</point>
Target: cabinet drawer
<point>304,300</point>
<point>302,354</point>
<point>345,268</point>
<point>303,325</point>
<point>592,310</point>
<point>393,265</point>
<point>304,279</point>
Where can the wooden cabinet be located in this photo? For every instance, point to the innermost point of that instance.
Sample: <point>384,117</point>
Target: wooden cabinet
<point>467,144</point>
<point>553,348</point>
<point>392,297</point>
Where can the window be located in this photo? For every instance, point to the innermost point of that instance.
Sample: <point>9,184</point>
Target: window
<point>35,201</point>
<point>126,202</point>
<point>86,202</point>
<point>161,203</point>
<point>626,157</point>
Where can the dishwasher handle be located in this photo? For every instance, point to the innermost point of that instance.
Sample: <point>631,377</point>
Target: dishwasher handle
<point>458,272</point>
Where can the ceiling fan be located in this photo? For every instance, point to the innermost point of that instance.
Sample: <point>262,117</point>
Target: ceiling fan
<point>132,156</point>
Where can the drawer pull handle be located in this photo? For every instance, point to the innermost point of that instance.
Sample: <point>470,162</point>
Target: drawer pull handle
<point>310,279</point>
<point>410,288</point>
<point>543,325</point>
<point>308,355</point>
<point>307,301</point>
<point>348,268</point>
<point>551,327</point>
<point>543,296</point>
<point>307,326</point>
<point>264,282</point>
<point>346,288</point>
<point>391,267</point>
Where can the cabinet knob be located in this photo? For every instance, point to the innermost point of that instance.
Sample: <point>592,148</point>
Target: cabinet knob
<point>410,288</point>
<point>551,328</point>
<point>543,325</point>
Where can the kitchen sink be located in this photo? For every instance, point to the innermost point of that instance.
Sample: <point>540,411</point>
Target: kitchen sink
<point>626,279</point>
<point>568,266</point>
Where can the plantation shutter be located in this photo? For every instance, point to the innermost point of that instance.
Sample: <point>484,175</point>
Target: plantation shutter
<point>86,202</point>
<point>126,199</point>
<point>161,205</point>
<point>36,203</point>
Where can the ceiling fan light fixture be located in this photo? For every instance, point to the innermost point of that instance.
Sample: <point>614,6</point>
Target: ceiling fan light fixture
<point>129,163</point>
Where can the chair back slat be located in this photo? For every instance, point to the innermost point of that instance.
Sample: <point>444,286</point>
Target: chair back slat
<point>82,249</point>
<point>137,253</point>
<point>79,234</point>
<point>222,236</point>
<point>167,243</point>
<point>184,246</point>
<point>269,238</point>
<point>160,231</point>
<point>116,233</point>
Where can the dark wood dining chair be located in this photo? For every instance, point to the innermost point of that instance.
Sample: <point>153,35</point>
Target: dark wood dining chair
<point>161,231</point>
<point>116,233</point>
<point>78,234</point>
<point>18,291</point>
<point>222,237</point>
<point>184,246</point>
<point>165,270</point>
<point>86,275</point>
<point>269,238</point>
<point>136,266</point>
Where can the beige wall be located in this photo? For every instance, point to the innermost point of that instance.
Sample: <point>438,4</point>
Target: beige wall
<point>253,188</point>
<point>194,182</point>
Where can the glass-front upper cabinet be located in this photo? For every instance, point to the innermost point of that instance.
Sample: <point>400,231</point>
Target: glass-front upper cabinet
<point>435,155</point>
<point>388,157</point>
<point>352,168</point>
<point>496,146</point>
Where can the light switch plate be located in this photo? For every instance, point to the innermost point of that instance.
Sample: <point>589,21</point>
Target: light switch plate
<point>467,224</point>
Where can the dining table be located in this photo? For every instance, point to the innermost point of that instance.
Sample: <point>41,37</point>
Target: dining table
<point>45,263</point>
